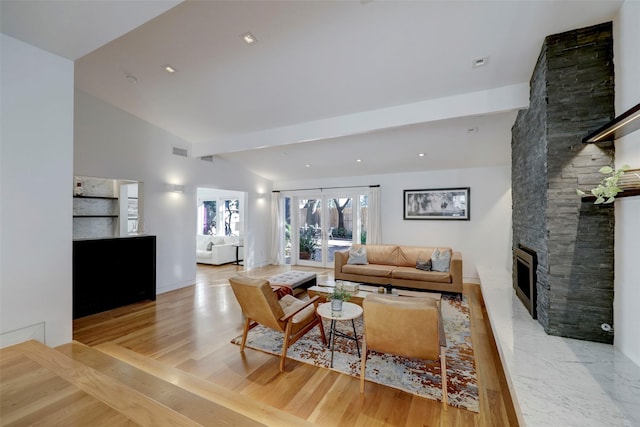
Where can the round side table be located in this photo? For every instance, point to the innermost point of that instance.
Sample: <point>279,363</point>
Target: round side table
<point>349,311</point>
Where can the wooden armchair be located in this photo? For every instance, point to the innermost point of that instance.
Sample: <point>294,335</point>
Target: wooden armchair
<point>404,326</point>
<point>289,315</point>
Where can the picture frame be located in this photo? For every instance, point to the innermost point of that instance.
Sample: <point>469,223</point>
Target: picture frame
<point>437,203</point>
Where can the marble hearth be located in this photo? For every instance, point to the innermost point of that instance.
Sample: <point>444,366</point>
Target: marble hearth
<point>556,381</point>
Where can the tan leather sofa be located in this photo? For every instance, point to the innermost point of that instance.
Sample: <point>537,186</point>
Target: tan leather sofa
<point>396,265</point>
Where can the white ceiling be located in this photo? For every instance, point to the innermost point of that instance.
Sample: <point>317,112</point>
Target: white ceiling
<point>328,81</point>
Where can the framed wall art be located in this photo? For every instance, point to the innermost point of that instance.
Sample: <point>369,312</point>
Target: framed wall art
<point>437,203</point>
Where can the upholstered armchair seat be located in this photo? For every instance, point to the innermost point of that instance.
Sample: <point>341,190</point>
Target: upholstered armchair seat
<point>289,315</point>
<point>404,326</point>
<point>291,304</point>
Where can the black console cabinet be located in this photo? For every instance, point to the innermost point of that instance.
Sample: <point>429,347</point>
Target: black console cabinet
<point>112,272</point>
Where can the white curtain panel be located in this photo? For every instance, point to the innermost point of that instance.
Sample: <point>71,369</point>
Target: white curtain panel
<point>374,229</point>
<point>276,246</point>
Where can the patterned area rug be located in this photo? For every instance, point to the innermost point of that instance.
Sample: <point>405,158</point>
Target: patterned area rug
<point>414,376</point>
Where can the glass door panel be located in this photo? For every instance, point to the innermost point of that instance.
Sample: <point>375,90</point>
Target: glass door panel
<point>340,225</point>
<point>364,208</point>
<point>316,226</point>
<point>310,231</point>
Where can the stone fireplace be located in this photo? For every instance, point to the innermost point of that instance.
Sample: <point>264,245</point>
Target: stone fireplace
<point>572,93</point>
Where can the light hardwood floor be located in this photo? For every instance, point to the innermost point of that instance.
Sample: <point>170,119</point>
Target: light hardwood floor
<point>191,328</point>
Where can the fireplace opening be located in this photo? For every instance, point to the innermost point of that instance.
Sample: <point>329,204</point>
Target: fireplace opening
<point>525,283</point>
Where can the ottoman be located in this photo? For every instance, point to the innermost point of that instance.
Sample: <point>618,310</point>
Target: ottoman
<point>295,280</point>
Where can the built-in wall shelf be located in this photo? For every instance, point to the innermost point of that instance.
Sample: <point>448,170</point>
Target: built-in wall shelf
<point>625,193</point>
<point>624,124</point>
<point>96,211</point>
<point>95,216</point>
<point>629,183</point>
<point>95,197</point>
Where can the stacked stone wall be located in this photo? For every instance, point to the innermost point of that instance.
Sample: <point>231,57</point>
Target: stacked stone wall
<point>572,93</point>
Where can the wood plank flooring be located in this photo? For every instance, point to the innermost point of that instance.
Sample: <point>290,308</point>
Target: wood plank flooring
<point>170,362</point>
<point>190,330</point>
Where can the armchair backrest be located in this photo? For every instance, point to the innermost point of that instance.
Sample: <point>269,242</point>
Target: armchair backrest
<point>258,301</point>
<point>403,326</point>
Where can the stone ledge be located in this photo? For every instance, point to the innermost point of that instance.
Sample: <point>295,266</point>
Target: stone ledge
<point>554,380</point>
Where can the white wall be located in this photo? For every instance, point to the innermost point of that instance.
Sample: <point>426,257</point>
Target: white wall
<point>627,232</point>
<point>36,186</point>
<point>484,240</point>
<point>110,143</point>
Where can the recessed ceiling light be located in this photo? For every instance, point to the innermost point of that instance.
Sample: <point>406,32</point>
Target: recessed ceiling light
<point>359,160</point>
<point>307,165</point>
<point>249,38</point>
<point>472,130</point>
<point>131,78</point>
<point>420,154</point>
<point>169,69</point>
<point>480,62</point>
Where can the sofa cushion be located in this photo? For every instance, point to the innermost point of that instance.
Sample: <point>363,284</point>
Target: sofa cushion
<point>411,273</point>
<point>408,255</point>
<point>381,254</point>
<point>217,240</point>
<point>231,240</point>
<point>424,265</point>
<point>441,260</point>
<point>202,240</point>
<point>290,304</point>
<point>376,270</point>
<point>358,256</point>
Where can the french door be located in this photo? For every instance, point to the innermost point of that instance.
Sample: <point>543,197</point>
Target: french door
<point>318,225</point>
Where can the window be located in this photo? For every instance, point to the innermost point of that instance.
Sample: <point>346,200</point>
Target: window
<point>209,218</point>
<point>231,215</point>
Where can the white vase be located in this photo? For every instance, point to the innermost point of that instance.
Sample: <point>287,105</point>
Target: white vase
<point>336,305</point>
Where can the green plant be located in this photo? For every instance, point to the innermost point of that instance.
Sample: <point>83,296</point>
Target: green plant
<point>608,189</point>
<point>308,241</point>
<point>287,231</point>
<point>340,293</point>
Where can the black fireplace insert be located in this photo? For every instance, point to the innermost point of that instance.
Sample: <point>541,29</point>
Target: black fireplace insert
<point>526,264</point>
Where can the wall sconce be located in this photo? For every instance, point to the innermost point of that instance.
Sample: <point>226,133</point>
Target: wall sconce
<point>261,196</point>
<point>175,188</point>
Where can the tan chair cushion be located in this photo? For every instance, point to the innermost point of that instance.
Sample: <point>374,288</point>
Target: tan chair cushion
<point>376,270</point>
<point>412,273</point>
<point>404,326</point>
<point>290,304</point>
<point>408,256</point>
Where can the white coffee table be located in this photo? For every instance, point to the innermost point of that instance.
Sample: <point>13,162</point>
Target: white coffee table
<point>349,311</point>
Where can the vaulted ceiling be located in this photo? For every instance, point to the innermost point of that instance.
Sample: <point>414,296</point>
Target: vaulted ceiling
<point>326,84</point>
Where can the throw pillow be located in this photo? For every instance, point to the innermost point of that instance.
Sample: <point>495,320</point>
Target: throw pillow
<point>210,246</point>
<point>218,240</point>
<point>440,260</point>
<point>358,256</point>
<point>423,265</point>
